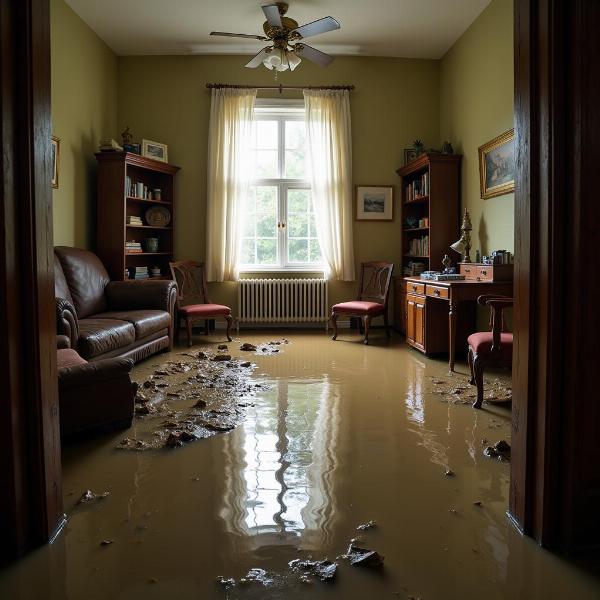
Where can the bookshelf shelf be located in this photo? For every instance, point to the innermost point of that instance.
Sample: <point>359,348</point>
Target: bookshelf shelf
<point>118,172</point>
<point>415,229</point>
<point>417,200</point>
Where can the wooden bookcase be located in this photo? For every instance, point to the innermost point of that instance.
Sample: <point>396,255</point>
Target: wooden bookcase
<point>115,204</point>
<point>438,207</point>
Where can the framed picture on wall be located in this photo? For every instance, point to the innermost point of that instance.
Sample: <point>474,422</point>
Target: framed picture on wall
<point>55,160</point>
<point>155,150</point>
<point>374,202</point>
<point>409,154</point>
<point>497,166</point>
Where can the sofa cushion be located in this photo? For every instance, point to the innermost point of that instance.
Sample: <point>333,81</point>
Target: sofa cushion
<point>359,307</point>
<point>209,310</point>
<point>481,343</point>
<point>145,322</point>
<point>61,289</point>
<point>98,336</point>
<point>86,277</point>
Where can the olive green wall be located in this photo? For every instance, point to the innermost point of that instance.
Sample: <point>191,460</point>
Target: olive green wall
<point>164,98</point>
<point>84,110</point>
<point>476,105</point>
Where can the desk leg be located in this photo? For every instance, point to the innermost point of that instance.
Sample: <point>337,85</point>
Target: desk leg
<point>452,333</point>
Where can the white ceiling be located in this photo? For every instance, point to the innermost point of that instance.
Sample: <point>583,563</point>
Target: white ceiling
<point>405,28</point>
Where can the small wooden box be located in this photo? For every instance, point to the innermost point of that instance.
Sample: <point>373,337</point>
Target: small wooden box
<point>482,272</point>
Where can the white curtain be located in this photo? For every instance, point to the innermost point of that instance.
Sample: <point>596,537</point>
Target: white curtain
<point>229,168</point>
<point>330,152</point>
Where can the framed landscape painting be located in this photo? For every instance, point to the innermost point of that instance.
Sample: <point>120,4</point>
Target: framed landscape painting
<point>155,150</point>
<point>497,166</point>
<point>374,203</point>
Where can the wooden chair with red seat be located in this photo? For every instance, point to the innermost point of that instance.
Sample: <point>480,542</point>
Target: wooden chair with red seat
<point>372,300</point>
<point>490,348</point>
<point>192,298</point>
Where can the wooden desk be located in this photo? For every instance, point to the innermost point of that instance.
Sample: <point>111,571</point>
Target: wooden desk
<point>423,298</point>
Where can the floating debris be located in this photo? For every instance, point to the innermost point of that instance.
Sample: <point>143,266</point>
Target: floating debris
<point>363,557</point>
<point>133,444</point>
<point>248,347</point>
<point>226,582</point>
<point>221,357</point>
<point>500,450</point>
<point>107,542</point>
<point>367,525</point>
<point>456,391</point>
<point>202,355</point>
<point>259,576</point>
<point>89,496</point>
<point>222,347</point>
<point>449,473</point>
<point>325,570</point>
<point>477,503</point>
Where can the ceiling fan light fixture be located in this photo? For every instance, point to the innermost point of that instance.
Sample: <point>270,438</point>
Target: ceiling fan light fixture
<point>293,59</point>
<point>276,60</point>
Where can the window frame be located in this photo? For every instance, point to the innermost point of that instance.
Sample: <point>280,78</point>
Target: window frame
<point>282,110</point>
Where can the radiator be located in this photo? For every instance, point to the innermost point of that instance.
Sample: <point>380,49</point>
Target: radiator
<point>283,301</point>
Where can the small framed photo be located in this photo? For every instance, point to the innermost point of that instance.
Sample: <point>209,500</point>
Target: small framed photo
<point>55,160</point>
<point>155,150</point>
<point>497,166</point>
<point>409,154</point>
<point>374,202</point>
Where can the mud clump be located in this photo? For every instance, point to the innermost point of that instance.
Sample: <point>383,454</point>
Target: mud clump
<point>362,557</point>
<point>247,347</point>
<point>221,357</point>
<point>222,347</point>
<point>500,450</point>
<point>89,496</point>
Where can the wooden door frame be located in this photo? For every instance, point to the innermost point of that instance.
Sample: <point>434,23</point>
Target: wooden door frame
<point>555,475</point>
<point>31,510</point>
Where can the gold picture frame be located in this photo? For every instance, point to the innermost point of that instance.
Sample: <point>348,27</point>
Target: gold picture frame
<point>497,166</point>
<point>55,160</point>
<point>155,150</point>
<point>374,202</point>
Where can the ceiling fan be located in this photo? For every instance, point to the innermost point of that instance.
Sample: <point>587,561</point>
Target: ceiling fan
<point>287,49</point>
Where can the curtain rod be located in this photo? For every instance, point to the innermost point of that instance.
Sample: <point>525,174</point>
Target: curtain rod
<point>279,87</point>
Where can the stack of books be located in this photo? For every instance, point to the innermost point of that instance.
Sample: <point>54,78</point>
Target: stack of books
<point>418,188</point>
<point>133,247</point>
<point>133,220</point>
<point>414,268</point>
<point>139,273</point>
<point>109,145</point>
<point>419,247</point>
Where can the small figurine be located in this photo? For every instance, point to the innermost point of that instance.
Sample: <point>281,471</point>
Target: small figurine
<point>126,135</point>
<point>447,148</point>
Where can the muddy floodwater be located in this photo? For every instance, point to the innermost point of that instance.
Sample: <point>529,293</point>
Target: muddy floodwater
<point>312,469</point>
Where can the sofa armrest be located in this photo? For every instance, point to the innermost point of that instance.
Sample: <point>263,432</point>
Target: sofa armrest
<point>67,322</point>
<point>62,342</point>
<point>142,295</point>
<point>94,372</point>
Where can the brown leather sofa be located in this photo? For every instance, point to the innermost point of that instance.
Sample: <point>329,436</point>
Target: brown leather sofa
<point>105,319</point>
<point>98,395</point>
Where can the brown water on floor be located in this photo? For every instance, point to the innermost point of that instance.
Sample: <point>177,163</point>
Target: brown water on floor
<point>340,434</point>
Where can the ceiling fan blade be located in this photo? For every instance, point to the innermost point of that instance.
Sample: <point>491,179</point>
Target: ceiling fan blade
<point>314,55</point>
<point>316,27</point>
<point>272,13</point>
<point>240,35</point>
<point>258,59</point>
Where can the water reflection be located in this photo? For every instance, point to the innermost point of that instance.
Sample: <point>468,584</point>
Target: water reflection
<point>280,465</point>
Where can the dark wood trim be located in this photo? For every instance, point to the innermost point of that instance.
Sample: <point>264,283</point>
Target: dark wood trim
<point>555,476</point>
<point>31,495</point>
<point>137,160</point>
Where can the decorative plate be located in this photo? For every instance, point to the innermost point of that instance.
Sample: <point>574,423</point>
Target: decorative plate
<point>158,216</point>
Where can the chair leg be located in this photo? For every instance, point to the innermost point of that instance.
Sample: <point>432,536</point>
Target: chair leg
<point>177,327</point>
<point>470,362</point>
<point>334,324</point>
<point>367,322</point>
<point>188,325</point>
<point>387,326</point>
<point>206,327</point>
<point>229,320</point>
<point>361,327</point>
<point>478,374</point>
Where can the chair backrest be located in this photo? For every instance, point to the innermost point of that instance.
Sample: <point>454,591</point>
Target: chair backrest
<point>375,278</point>
<point>497,306</point>
<point>190,277</point>
<point>84,276</point>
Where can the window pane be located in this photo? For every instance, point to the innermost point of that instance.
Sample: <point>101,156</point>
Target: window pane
<point>298,250</point>
<point>266,135</point>
<point>298,201</point>
<point>295,164</point>
<point>313,226</point>
<point>266,199</point>
<point>297,225</point>
<point>266,252</point>
<point>294,135</point>
<point>266,165</point>
<point>266,226</point>
<point>315,251</point>
<point>248,230</point>
<point>248,251</point>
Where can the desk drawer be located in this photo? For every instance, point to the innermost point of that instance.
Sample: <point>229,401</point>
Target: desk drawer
<point>415,288</point>
<point>485,273</point>
<point>468,270</point>
<point>436,291</point>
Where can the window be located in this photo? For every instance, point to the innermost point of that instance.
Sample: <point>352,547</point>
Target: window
<point>279,229</point>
